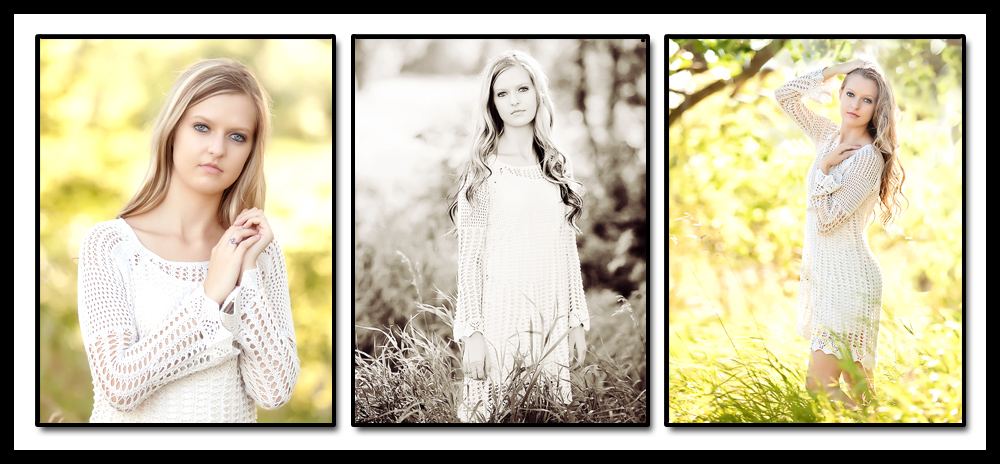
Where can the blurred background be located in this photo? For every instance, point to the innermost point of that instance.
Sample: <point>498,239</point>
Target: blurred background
<point>97,102</point>
<point>412,115</point>
<point>736,209</point>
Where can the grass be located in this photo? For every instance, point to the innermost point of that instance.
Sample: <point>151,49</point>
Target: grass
<point>414,375</point>
<point>733,356</point>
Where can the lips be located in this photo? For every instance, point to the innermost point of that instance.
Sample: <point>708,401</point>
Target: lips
<point>853,114</point>
<point>516,112</point>
<point>211,168</point>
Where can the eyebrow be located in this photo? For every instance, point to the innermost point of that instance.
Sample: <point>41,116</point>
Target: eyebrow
<point>496,89</point>
<point>207,119</point>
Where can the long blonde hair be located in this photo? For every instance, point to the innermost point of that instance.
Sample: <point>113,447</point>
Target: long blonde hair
<point>882,128</point>
<point>489,126</point>
<point>199,82</point>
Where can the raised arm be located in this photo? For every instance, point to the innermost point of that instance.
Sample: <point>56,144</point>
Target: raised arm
<point>790,97</point>
<point>127,367</point>
<point>269,362</point>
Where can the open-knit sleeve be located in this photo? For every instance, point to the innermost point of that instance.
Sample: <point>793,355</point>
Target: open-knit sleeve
<point>471,226</point>
<point>578,313</point>
<point>269,362</point>
<point>812,85</point>
<point>835,201</point>
<point>125,366</point>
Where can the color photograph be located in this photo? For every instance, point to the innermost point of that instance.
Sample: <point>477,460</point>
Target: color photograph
<point>184,230</point>
<point>816,231</point>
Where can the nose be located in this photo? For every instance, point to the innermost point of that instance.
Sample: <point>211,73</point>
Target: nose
<point>217,147</point>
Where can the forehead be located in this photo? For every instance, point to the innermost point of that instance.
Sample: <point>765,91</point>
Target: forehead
<point>861,85</point>
<point>510,77</point>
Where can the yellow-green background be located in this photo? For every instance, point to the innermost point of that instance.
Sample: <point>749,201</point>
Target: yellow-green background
<point>97,101</point>
<point>735,215</point>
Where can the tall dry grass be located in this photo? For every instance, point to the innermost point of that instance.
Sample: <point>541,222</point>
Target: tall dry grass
<point>414,374</point>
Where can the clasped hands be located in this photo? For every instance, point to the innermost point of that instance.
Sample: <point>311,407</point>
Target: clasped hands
<point>237,251</point>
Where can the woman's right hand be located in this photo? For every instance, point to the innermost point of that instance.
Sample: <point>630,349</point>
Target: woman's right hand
<point>225,265</point>
<point>474,357</point>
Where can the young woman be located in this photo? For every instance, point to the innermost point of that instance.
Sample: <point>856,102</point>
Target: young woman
<point>856,168</point>
<point>520,292</point>
<point>183,298</point>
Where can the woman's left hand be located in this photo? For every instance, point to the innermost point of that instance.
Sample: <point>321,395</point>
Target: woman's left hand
<point>577,344</point>
<point>254,219</point>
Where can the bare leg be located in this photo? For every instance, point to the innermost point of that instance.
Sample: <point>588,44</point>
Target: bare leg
<point>823,374</point>
<point>863,388</point>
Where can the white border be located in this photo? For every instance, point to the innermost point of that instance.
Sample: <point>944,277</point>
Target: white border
<point>344,436</point>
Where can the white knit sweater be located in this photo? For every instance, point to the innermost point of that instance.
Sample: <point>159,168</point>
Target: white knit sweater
<point>840,288</point>
<point>519,281</point>
<point>161,351</point>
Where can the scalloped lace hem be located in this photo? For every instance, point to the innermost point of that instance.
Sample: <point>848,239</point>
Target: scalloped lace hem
<point>868,361</point>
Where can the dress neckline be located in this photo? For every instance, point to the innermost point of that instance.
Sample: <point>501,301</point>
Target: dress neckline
<point>149,252</point>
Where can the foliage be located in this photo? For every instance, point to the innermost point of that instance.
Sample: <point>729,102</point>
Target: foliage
<point>97,101</point>
<point>735,211</point>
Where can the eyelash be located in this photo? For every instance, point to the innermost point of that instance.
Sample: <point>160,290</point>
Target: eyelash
<point>851,94</point>
<point>242,137</point>
<point>502,94</point>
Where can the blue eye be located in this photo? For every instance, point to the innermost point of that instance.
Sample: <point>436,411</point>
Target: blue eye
<point>238,137</point>
<point>201,127</point>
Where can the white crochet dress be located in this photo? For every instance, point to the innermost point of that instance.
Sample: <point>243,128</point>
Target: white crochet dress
<point>519,283</point>
<point>840,289</point>
<point>161,351</point>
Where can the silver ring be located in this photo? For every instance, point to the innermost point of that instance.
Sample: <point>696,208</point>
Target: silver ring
<point>232,240</point>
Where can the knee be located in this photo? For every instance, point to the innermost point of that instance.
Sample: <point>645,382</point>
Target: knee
<point>813,385</point>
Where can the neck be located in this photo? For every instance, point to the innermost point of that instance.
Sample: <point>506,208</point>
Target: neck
<point>517,142</point>
<point>854,134</point>
<point>187,213</point>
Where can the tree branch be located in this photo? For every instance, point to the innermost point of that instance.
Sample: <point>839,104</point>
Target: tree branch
<point>750,70</point>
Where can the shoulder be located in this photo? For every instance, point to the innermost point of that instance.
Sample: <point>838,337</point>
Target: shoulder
<point>869,154</point>
<point>867,161</point>
<point>106,239</point>
<point>106,233</point>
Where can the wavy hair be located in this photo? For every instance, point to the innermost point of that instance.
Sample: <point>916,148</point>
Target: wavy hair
<point>554,163</point>
<point>882,128</point>
<point>199,82</point>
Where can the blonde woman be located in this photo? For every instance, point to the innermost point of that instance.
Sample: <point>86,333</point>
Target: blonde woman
<point>520,292</point>
<point>856,168</point>
<point>183,298</point>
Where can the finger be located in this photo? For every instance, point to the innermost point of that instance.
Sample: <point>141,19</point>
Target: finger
<point>246,213</point>
<point>252,221</point>
<point>241,236</point>
<point>248,242</point>
<point>475,370</point>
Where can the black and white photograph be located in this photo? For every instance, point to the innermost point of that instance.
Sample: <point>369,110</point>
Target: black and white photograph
<point>500,230</point>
